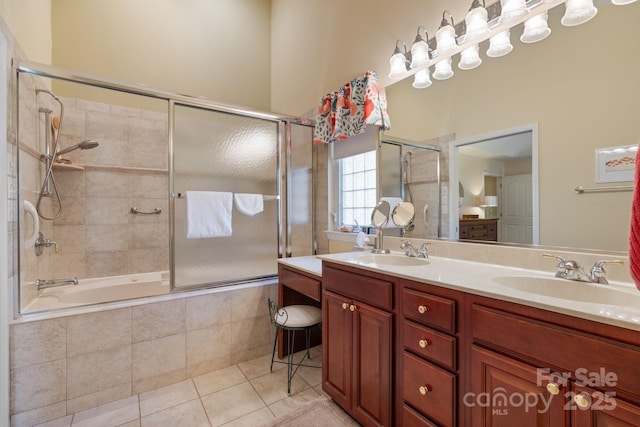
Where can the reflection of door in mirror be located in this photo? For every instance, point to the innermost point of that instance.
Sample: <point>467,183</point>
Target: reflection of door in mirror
<point>498,173</point>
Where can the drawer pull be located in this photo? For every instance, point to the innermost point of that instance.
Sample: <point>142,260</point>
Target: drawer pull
<point>423,390</point>
<point>553,389</point>
<point>581,401</point>
<point>422,309</point>
<point>423,343</point>
<point>344,305</point>
<point>352,307</point>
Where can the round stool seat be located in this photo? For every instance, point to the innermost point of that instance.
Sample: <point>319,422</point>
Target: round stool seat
<point>298,316</point>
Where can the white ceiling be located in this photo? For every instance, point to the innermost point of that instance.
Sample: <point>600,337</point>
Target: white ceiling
<point>510,147</point>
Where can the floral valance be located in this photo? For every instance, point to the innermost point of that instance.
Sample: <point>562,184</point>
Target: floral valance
<point>346,112</point>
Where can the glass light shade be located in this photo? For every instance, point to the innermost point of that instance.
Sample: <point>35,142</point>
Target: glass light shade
<point>476,22</point>
<point>469,58</point>
<point>445,40</point>
<point>578,12</point>
<point>536,28</point>
<point>512,10</point>
<point>419,54</point>
<point>397,66</point>
<point>500,44</point>
<point>490,201</point>
<point>443,70</point>
<point>622,2</point>
<point>421,79</point>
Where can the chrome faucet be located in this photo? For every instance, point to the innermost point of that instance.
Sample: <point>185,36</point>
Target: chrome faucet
<point>42,243</point>
<point>51,283</point>
<point>571,270</point>
<point>410,251</point>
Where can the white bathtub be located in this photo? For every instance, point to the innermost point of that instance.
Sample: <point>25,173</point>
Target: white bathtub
<point>100,290</point>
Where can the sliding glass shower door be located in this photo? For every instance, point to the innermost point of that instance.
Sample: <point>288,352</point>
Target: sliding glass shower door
<point>219,152</point>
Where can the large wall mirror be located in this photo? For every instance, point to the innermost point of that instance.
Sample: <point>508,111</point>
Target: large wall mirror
<point>577,89</point>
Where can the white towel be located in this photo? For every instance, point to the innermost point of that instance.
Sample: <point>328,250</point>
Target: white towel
<point>208,214</point>
<point>249,204</point>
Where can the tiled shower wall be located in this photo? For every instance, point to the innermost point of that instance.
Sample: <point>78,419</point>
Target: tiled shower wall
<point>96,233</point>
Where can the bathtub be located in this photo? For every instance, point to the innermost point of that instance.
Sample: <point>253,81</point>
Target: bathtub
<point>101,290</point>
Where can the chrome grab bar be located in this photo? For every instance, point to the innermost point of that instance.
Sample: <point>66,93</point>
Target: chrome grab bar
<point>137,211</point>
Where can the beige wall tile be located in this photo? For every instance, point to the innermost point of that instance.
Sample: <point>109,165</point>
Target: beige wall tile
<point>36,386</point>
<point>147,185</point>
<point>71,182</point>
<point>58,422</point>
<point>102,330</point>
<point>98,371</point>
<point>157,320</point>
<point>106,126</point>
<point>249,303</point>
<point>104,264</point>
<point>70,238</point>
<point>107,238</point>
<point>37,342</point>
<point>73,211</point>
<point>107,210</point>
<point>250,333</point>
<point>110,152</point>
<point>208,349</point>
<point>101,397</point>
<point>65,265</point>
<point>39,415</point>
<point>148,235</point>
<point>110,414</point>
<point>158,362</point>
<point>208,310</point>
<point>146,260</point>
<point>106,183</point>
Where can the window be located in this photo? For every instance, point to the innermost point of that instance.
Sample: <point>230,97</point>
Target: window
<point>357,188</point>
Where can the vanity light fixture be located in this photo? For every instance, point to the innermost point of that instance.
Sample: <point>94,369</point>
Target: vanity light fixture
<point>470,58</point>
<point>398,62</point>
<point>512,10</point>
<point>536,28</point>
<point>446,36</point>
<point>443,70</point>
<point>420,55</point>
<point>421,80</point>
<point>476,22</point>
<point>578,12</point>
<point>500,44</point>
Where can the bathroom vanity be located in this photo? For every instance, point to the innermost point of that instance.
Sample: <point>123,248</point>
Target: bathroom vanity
<point>443,342</point>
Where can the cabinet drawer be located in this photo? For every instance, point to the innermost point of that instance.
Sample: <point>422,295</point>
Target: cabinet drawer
<point>430,344</point>
<point>429,389</point>
<point>411,418</point>
<point>429,309</point>
<point>551,345</point>
<point>303,284</point>
<point>373,291</point>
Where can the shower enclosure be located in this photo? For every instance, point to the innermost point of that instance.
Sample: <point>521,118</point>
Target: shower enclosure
<point>106,170</point>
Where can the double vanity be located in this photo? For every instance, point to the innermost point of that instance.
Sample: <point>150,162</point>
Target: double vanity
<point>439,341</point>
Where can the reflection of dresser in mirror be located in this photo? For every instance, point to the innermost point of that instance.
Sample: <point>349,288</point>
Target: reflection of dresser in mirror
<point>478,229</point>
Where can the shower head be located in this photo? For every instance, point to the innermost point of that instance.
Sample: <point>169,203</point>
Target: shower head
<point>84,145</point>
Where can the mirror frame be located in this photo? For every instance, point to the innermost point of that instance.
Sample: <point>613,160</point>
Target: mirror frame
<point>454,175</point>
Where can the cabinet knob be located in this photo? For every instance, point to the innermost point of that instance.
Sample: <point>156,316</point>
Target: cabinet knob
<point>422,309</point>
<point>553,388</point>
<point>344,305</point>
<point>423,343</point>
<point>581,400</point>
<point>352,307</point>
<point>423,390</point>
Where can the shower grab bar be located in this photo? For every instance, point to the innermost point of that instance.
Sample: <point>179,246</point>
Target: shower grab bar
<point>156,211</point>
<point>580,189</point>
<point>265,197</point>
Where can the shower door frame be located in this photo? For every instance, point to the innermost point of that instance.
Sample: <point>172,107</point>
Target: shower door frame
<point>283,122</point>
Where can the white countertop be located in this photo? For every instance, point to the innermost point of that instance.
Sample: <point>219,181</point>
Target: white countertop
<point>309,264</point>
<point>478,278</point>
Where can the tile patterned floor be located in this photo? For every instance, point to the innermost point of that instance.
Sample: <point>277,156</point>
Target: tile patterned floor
<point>246,394</point>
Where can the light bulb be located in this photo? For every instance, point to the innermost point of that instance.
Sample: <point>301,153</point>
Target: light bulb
<point>476,23</point>
<point>445,40</point>
<point>512,10</point>
<point>500,44</point>
<point>536,28</point>
<point>469,58</point>
<point>443,70</point>
<point>419,53</point>
<point>578,12</point>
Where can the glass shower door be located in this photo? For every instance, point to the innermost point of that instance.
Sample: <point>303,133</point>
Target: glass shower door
<point>217,151</point>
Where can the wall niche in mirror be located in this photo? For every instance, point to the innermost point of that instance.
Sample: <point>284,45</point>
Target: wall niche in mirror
<point>578,86</point>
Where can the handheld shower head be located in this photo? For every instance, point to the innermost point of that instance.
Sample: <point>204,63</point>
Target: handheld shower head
<point>84,145</point>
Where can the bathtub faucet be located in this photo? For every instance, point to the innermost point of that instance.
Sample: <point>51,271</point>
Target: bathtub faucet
<point>43,283</point>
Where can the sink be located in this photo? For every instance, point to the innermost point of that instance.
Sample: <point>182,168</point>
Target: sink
<point>392,259</point>
<point>572,290</point>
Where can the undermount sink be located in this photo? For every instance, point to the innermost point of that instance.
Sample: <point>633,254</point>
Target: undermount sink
<point>572,290</point>
<point>392,259</point>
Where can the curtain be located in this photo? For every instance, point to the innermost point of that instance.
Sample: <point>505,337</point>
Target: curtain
<point>346,111</point>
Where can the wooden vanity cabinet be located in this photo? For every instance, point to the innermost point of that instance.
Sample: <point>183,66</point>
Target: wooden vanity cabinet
<point>357,335</point>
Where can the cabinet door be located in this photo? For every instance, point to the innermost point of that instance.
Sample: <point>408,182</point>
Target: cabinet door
<point>591,408</point>
<point>506,393</point>
<point>337,348</point>
<point>371,365</point>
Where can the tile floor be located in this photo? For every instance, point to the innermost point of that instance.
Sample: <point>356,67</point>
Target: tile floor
<point>246,394</point>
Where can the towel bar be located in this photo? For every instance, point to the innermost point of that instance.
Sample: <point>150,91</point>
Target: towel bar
<point>156,211</point>
<point>264,196</point>
<point>580,189</point>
